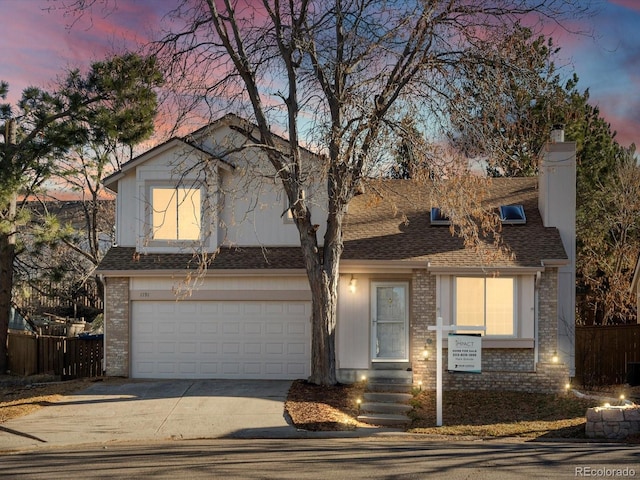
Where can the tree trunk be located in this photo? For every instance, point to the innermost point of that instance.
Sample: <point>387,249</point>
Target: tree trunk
<point>324,294</point>
<point>7,254</point>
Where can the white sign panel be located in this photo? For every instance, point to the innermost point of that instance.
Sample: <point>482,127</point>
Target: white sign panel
<point>465,353</point>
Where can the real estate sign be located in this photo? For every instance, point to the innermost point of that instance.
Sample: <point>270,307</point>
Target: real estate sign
<point>465,353</point>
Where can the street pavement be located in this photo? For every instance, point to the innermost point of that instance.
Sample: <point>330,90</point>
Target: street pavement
<point>405,457</point>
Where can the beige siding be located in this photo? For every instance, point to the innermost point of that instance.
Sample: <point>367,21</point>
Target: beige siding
<point>126,216</point>
<point>254,213</point>
<point>298,283</point>
<point>353,330</point>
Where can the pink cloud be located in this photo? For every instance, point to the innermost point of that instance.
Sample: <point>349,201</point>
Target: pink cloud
<point>630,4</point>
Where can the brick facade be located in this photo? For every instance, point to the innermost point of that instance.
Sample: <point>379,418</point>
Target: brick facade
<point>116,327</point>
<point>502,368</point>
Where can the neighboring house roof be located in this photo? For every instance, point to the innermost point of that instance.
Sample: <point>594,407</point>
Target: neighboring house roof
<point>391,227</point>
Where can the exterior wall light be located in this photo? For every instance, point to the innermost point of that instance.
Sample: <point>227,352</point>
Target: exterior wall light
<point>425,353</point>
<point>352,284</point>
<point>555,358</point>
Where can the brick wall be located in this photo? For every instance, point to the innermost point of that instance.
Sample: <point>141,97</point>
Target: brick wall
<point>423,314</point>
<point>116,326</point>
<point>502,369</point>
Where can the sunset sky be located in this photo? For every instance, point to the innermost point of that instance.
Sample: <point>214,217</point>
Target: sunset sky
<point>37,45</point>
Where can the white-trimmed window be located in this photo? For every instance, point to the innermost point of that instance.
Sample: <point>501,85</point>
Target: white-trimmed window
<point>486,302</point>
<point>176,213</point>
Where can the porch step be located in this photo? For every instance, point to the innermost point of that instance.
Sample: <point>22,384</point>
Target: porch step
<point>385,407</point>
<point>388,386</point>
<point>391,366</point>
<point>387,397</point>
<point>384,419</point>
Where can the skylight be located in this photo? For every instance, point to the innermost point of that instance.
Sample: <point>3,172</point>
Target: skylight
<point>439,218</point>
<point>512,214</point>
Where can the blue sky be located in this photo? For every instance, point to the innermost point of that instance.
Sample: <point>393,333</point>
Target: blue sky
<point>37,45</point>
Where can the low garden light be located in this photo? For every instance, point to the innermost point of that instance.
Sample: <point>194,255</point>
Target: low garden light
<point>358,403</point>
<point>420,385</point>
<point>363,378</point>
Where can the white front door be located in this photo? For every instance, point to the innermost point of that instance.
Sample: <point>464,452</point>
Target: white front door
<point>390,321</point>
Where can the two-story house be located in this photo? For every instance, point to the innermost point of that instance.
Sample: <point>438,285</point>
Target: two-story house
<point>247,314</point>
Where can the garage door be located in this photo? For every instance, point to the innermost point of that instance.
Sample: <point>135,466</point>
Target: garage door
<point>221,339</point>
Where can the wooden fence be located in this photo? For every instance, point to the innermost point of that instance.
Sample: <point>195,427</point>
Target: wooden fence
<point>67,357</point>
<point>603,353</point>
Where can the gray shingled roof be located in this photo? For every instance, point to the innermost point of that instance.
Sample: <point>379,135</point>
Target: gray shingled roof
<point>373,232</point>
<point>375,229</point>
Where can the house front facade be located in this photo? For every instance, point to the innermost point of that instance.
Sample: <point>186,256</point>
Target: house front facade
<point>243,310</point>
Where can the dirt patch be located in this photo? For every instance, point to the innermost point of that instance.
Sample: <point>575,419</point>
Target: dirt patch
<point>316,408</point>
<point>21,396</point>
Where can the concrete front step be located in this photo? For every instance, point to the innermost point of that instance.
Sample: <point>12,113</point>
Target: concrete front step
<point>384,407</point>
<point>372,374</point>
<point>400,380</point>
<point>398,366</point>
<point>389,387</point>
<point>384,419</point>
<point>387,397</point>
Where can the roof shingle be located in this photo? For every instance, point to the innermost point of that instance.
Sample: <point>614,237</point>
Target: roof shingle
<point>395,228</point>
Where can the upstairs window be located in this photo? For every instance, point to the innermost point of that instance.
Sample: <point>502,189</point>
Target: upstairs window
<point>176,213</point>
<point>486,302</point>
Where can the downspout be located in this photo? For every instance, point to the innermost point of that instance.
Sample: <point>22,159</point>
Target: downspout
<point>103,280</point>
<point>536,319</point>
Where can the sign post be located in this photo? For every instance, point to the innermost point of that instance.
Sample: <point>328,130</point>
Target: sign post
<point>439,328</point>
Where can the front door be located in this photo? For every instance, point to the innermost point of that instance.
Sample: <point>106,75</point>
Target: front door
<point>390,321</point>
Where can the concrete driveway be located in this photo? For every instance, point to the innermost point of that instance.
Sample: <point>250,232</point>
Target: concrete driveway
<point>155,410</point>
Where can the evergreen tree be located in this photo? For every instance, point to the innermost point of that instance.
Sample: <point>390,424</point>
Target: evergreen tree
<point>101,106</point>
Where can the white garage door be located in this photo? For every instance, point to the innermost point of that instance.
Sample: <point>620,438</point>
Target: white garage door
<point>221,339</point>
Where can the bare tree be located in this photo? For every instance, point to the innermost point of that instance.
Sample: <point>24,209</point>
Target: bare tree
<point>338,76</point>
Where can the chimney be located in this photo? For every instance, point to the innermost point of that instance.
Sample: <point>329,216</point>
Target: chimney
<point>557,205</point>
<point>557,133</point>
